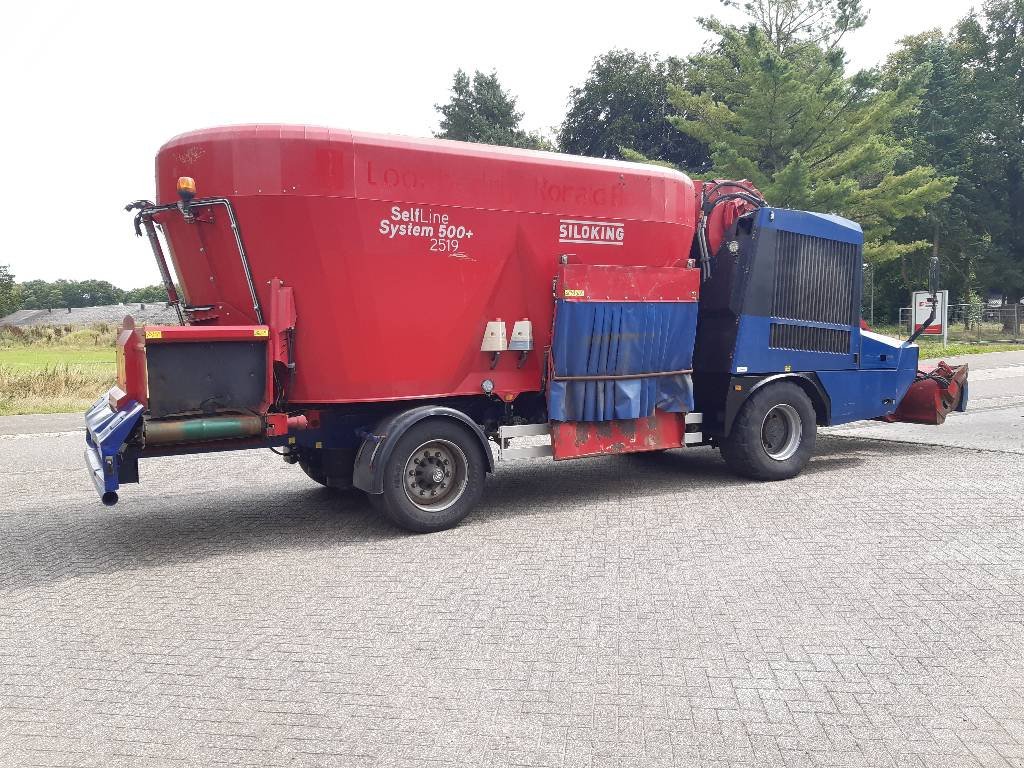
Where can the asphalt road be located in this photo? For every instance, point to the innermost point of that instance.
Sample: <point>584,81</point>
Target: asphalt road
<point>622,611</point>
<point>995,412</point>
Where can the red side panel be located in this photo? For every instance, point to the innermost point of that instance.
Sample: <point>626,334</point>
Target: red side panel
<point>400,251</point>
<point>577,439</point>
<point>591,282</point>
<point>282,322</point>
<point>131,365</point>
<point>156,334</point>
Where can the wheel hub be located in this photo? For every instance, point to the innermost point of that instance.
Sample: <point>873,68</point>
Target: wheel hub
<point>781,431</point>
<point>435,475</point>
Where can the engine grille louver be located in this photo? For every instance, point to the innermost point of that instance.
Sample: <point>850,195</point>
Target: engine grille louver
<point>815,280</point>
<point>809,339</point>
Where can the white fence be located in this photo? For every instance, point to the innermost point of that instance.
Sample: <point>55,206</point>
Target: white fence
<point>977,322</point>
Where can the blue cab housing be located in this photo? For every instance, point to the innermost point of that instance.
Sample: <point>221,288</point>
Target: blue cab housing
<point>784,299</point>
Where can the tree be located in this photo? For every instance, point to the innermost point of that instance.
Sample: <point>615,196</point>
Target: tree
<point>939,133</point>
<point>772,99</point>
<point>992,46</point>
<point>40,294</point>
<point>970,124</point>
<point>818,22</point>
<point>481,111</point>
<point>9,298</point>
<point>150,294</point>
<point>623,110</point>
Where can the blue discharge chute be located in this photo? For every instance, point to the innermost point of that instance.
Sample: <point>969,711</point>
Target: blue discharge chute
<point>605,339</point>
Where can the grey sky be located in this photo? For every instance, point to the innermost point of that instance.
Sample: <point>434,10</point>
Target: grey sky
<point>91,90</point>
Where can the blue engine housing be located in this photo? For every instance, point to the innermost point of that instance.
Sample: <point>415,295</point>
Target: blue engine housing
<point>784,299</point>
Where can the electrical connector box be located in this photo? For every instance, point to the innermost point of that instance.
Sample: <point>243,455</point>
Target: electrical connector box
<point>494,339</point>
<point>522,336</point>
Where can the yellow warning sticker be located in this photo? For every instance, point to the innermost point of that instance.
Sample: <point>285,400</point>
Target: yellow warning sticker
<point>154,334</point>
<point>573,293</point>
<point>260,332</point>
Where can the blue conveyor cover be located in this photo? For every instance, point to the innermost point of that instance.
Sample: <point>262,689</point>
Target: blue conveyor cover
<point>614,338</point>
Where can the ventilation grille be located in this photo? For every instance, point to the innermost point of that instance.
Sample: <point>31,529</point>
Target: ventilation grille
<point>816,279</point>
<point>807,339</point>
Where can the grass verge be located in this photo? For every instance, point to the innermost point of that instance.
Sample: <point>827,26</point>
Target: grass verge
<point>41,357</point>
<point>932,350</point>
<point>52,388</point>
<point>55,369</point>
<point>65,370</point>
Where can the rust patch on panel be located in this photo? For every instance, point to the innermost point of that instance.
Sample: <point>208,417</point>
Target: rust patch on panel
<point>571,440</point>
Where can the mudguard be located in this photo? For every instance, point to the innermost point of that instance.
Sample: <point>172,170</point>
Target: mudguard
<point>378,444</point>
<point>742,387</point>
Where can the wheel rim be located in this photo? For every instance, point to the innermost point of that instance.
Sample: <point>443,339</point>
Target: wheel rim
<point>435,475</point>
<point>781,431</point>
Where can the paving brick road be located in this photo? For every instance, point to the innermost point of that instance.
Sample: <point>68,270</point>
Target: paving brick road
<point>630,611</point>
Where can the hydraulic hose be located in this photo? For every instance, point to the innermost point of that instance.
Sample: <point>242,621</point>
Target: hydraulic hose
<point>706,209</point>
<point>924,325</point>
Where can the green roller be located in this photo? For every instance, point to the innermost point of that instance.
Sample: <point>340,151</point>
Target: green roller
<point>200,430</point>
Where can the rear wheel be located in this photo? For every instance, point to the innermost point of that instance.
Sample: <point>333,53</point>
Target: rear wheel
<point>773,435</point>
<point>329,467</point>
<point>433,478</point>
<point>314,470</point>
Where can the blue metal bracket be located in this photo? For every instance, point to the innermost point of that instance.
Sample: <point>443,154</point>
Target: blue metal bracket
<point>106,430</point>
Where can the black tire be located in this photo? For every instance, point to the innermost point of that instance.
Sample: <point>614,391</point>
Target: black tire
<point>417,467</point>
<point>314,470</point>
<point>773,435</point>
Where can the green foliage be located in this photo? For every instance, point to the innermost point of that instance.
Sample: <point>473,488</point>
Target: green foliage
<point>53,369</point>
<point>971,124</point>
<point>623,110</point>
<point>41,294</point>
<point>480,110</point>
<point>9,293</point>
<point>53,387</point>
<point>933,350</point>
<point>150,294</point>
<point>39,338</point>
<point>773,101</point>
<point>818,22</point>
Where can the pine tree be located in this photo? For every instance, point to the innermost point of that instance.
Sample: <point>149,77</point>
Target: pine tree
<point>480,110</point>
<point>773,101</point>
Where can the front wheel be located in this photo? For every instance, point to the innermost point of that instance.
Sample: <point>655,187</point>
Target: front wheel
<point>433,478</point>
<point>773,435</point>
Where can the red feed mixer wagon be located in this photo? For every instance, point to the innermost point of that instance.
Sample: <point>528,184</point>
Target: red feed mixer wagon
<point>396,315</point>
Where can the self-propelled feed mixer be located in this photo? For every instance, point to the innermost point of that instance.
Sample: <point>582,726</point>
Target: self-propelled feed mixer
<point>398,315</point>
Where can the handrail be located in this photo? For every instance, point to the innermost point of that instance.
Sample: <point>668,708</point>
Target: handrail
<point>144,220</point>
